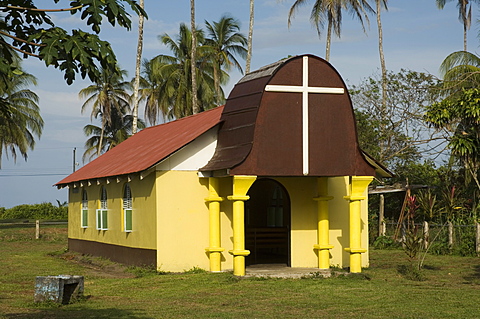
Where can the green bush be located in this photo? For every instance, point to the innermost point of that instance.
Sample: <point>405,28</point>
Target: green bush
<point>385,242</point>
<point>35,211</point>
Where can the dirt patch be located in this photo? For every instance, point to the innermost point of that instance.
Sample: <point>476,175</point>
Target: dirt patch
<point>97,266</point>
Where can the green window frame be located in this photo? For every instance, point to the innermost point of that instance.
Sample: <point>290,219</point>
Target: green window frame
<point>102,219</point>
<point>102,212</point>
<point>84,210</point>
<point>127,209</point>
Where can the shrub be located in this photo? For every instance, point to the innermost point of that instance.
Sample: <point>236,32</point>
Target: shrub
<point>35,211</point>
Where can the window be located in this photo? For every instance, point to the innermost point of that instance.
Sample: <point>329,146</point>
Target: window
<point>84,213</point>
<point>102,217</point>
<point>275,209</point>
<point>127,208</point>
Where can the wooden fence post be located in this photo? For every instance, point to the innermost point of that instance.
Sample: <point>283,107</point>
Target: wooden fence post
<point>381,217</point>
<point>426,234</point>
<point>37,229</point>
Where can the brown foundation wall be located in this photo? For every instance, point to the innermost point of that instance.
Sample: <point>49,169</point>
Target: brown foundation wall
<point>121,254</point>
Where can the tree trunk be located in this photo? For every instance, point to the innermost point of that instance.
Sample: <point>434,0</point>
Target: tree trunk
<point>329,38</point>
<point>465,37</point>
<point>193,58</point>
<point>101,138</point>
<point>382,57</point>
<point>138,63</point>
<point>250,37</point>
<point>216,81</point>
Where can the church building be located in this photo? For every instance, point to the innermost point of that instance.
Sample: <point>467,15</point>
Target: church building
<point>273,176</point>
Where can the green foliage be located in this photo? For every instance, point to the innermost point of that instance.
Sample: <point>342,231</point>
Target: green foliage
<point>411,272</point>
<point>20,119</point>
<point>23,23</point>
<point>459,118</point>
<point>385,242</point>
<point>35,211</point>
<point>397,127</point>
<point>167,84</point>
<point>110,102</point>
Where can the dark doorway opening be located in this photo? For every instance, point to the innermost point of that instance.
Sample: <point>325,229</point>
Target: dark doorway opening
<point>267,223</point>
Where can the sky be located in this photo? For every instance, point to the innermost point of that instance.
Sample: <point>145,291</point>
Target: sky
<point>417,36</point>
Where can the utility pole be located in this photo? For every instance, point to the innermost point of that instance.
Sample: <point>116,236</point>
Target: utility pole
<point>74,160</point>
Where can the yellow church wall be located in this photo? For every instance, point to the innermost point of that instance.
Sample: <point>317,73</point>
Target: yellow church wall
<point>143,217</point>
<point>226,222</point>
<point>303,235</point>
<point>182,220</point>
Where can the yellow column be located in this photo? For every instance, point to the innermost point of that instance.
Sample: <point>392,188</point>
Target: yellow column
<point>323,227</point>
<point>358,185</point>
<point>241,184</point>
<point>214,250</point>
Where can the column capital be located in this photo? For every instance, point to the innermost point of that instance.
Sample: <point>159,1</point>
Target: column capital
<point>322,247</point>
<point>214,249</point>
<point>354,198</point>
<point>239,252</point>
<point>238,197</point>
<point>355,250</point>
<point>359,184</point>
<point>214,199</point>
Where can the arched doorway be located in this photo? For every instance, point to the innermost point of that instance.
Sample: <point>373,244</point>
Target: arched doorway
<point>267,223</point>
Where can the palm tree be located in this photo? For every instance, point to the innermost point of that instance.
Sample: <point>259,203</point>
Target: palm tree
<point>138,60</point>
<point>20,120</point>
<point>379,4</point>
<point>250,36</point>
<point>460,70</point>
<point>330,12</point>
<point>173,75</point>
<point>150,92</point>
<point>464,15</point>
<point>193,58</point>
<point>119,128</point>
<point>105,96</point>
<point>226,42</point>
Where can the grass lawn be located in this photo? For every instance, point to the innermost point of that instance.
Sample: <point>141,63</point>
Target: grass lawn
<point>450,289</point>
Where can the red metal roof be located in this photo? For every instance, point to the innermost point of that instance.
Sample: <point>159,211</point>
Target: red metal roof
<point>146,148</point>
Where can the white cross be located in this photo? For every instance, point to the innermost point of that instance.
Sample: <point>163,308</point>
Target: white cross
<point>304,89</point>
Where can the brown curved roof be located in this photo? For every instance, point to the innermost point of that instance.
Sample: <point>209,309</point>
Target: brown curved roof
<point>261,131</point>
<point>146,148</point>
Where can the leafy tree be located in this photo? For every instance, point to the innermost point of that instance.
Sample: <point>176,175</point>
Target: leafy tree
<point>117,130</point>
<point>174,72</point>
<point>20,119</point>
<point>459,118</point>
<point>330,12</point>
<point>32,32</point>
<point>226,42</point>
<point>464,15</point>
<point>398,131</point>
<point>109,94</point>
